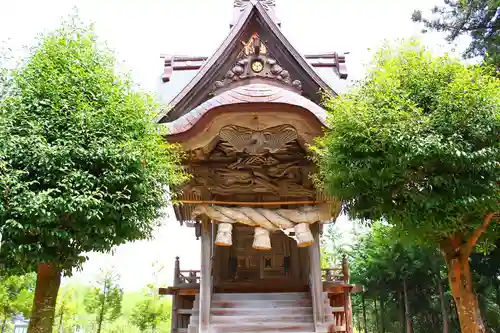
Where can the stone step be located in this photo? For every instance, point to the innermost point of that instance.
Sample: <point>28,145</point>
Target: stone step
<point>253,303</point>
<point>260,311</point>
<point>278,331</point>
<point>328,317</point>
<point>263,327</point>
<point>260,318</point>
<point>187,311</point>
<point>260,296</point>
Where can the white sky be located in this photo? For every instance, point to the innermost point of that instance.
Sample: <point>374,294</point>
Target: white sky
<point>140,30</point>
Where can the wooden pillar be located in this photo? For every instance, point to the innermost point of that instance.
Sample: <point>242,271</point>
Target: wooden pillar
<point>174,325</point>
<point>347,296</point>
<point>315,279</point>
<point>175,305</point>
<point>177,271</point>
<point>205,279</point>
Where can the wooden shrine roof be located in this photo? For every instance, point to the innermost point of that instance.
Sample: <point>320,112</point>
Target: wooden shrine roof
<point>252,93</point>
<point>254,19</point>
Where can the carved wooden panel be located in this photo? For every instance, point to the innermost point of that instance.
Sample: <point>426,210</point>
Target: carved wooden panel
<point>244,161</point>
<point>270,140</point>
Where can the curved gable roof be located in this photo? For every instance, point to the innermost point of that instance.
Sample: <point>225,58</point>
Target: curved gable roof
<point>198,89</point>
<point>252,93</point>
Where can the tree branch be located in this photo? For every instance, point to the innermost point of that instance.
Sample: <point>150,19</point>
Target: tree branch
<point>471,242</point>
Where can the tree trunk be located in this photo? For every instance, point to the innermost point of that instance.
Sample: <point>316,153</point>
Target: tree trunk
<point>457,250</point>
<point>497,292</point>
<point>401,311</point>
<point>364,312</point>
<point>61,322</point>
<point>100,319</point>
<point>4,323</point>
<point>376,314</point>
<point>382,314</point>
<point>460,280</point>
<point>444,314</point>
<point>407,309</point>
<point>47,286</point>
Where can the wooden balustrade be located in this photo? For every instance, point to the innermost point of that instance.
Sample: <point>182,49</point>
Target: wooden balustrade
<point>185,276</point>
<point>336,274</point>
<point>339,322</point>
<point>332,274</point>
<point>189,276</point>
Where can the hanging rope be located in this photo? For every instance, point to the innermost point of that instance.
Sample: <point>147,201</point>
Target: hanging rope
<point>269,219</point>
<point>266,221</point>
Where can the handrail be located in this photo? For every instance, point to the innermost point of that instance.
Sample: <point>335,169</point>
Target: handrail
<point>189,276</point>
<point>333,274</point>
<point>185,276</point>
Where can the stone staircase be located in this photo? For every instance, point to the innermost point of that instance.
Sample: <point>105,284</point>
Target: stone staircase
<point>260,312</point>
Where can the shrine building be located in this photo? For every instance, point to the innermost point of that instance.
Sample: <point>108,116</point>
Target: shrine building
<point>245,122</point>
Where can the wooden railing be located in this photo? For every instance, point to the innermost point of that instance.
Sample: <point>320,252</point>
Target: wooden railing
<point>337,274</point>
<point>332,274</point>
<point>339,322</point>
<point>190,276</point>
<point>185,276</point>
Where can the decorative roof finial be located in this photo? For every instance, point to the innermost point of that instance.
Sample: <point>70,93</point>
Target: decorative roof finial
<point>240,5</point>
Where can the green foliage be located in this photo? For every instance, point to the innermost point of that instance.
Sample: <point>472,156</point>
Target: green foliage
<point>82,165</point>
<point>16,296</point>
<point>475,18</point>
<point>67,309</point>
<point>77,299</point>
<point>332,247</point>
<point>150,312</point>
<point>380,262</point>
<point>105,299</point>
<point>416,144</point>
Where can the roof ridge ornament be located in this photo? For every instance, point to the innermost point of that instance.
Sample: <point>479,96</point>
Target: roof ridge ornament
<point>240,5</point>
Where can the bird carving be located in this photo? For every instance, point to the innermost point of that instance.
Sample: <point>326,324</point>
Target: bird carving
<point>253,142</point>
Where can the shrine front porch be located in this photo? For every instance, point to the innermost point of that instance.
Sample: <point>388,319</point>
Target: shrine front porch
<point>252,297</point>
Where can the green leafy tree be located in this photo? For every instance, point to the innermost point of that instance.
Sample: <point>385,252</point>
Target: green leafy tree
<point>105,300</point>
<point>152,311</point>
<point>405,278</point>
<point>16,297</point>
<point>82,165</point>
<point>416,144</point>
<point>475,18</point>
<point>66,309</point>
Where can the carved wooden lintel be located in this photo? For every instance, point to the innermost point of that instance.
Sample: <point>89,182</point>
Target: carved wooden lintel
<point>246,161</point>
<point>283,180</point>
